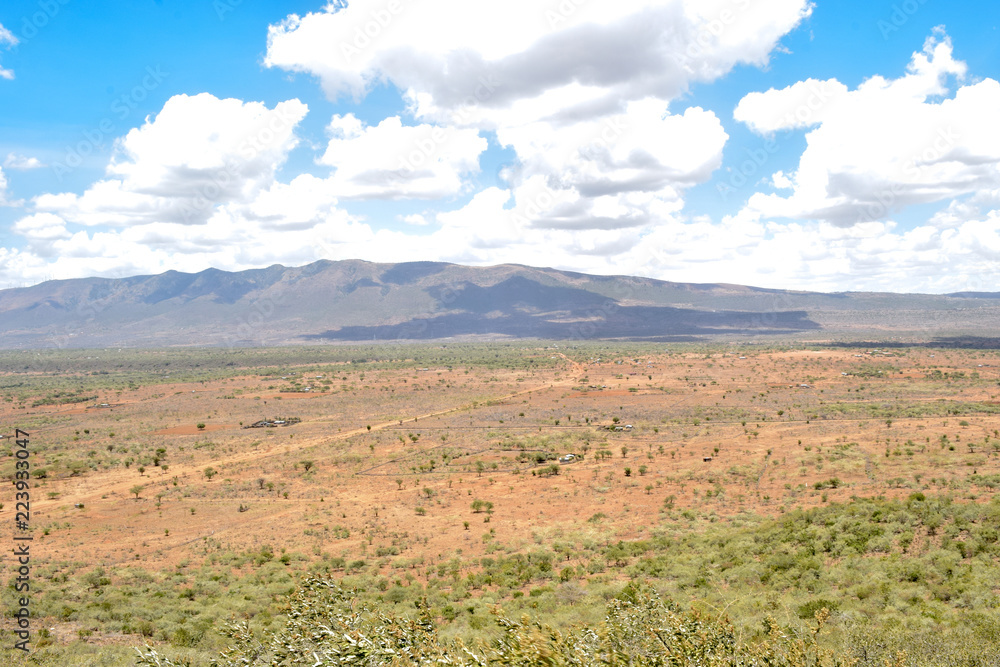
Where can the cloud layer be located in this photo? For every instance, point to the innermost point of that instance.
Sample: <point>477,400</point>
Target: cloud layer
<point>590,99</point>
<point>885,146</point>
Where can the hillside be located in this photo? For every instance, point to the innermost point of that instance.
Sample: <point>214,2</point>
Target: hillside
<point>361,301</point>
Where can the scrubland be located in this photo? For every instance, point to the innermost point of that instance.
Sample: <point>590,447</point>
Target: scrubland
<point>798,504</point>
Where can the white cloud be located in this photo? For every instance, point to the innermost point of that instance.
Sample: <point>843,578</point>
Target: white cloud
<point>22,163</point>
<point>491,63</point>
<point>580,92</point>
<point>607,173</point>
<point>886,145</point>
<point>586,95</point>
<point>393,161</point>
<point>417,219</point>
<point>302,204</point>
<point>781,180</point>
<point>197,153</point>
<point>800,105</point>
<point>6,37</point>
<point>4,201</point>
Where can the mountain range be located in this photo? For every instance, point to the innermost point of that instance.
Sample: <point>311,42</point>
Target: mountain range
<point>353,300</point>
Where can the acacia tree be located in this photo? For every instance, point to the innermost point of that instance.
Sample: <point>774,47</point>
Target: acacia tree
<point>482,505</point>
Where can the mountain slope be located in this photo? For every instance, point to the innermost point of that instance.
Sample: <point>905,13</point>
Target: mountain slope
<point>354,300</point>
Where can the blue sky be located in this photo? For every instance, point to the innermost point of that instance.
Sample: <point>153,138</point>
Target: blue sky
<point>635,137</point>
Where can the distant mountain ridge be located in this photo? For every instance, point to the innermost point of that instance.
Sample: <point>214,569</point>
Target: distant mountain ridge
<point>354,300</point>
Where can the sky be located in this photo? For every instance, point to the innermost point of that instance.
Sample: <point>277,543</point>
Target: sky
<point>826,146</point>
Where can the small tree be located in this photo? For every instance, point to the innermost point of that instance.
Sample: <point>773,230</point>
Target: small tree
<point>624,451</point>
<point>200,426</point>
<point>136,490</point>
<point>399,483</point>
<point>307,465</point>
<point>210,473</point>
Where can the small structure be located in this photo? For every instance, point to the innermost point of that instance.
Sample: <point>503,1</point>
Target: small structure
<point>274,423</point>
<point>569,458</point>
<point>707,459</point>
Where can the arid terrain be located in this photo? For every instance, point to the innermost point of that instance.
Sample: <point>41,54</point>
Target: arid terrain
<point>419,467</point>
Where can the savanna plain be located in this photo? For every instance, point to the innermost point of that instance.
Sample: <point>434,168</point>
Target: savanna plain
<point>510,503</point>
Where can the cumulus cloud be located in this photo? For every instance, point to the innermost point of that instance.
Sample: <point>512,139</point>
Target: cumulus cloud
<point>608,172</point>
<point>22,163</point>
<point>197,153</point>
<point>393,161</point>
<point>579,91</point>
<point>551,59</point>
<point>889,144</point>
<point>302,204</point>
<point>588,98</point>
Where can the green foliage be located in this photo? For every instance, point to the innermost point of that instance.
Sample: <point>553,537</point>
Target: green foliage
<point>326,626</point>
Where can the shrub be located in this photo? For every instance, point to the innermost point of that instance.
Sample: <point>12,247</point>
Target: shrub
<point>639,628</point>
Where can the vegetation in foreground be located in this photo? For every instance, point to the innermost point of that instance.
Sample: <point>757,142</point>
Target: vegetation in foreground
<point>325,627</point>
<point>858,482</point>
<point>869,582</point>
